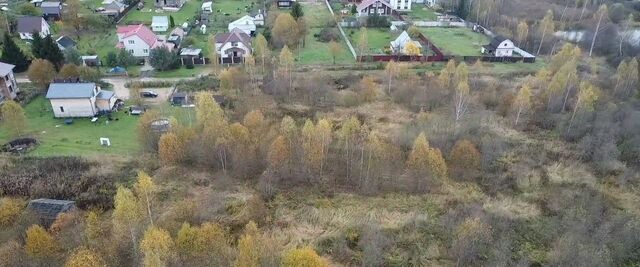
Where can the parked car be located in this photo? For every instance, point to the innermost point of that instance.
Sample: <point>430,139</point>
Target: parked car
<point>149,94</point>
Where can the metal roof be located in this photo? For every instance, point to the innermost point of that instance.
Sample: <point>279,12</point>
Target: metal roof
<point>6,68</point>
<point>105,94</point>
<point>50,208</point>
<point>160,20</point>
<point>30,24</point>
<point>71,90</point>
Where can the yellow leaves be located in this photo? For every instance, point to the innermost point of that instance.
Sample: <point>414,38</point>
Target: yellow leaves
<point>85,258</point>
<point>170,149</point>
<point>523,99</point>
<point>464,158</point>
<point>208,243</point>
<point>368,89</point>
<point>303,257</point>
<point>39,243</point>
<point>10,209</point>
<point>68,71</point>
<point>41,72</point>
<point>587,96</point>
<point>412,49</point>
<point>285,30</point>
<point>286,57</point>
<point>522,32</point>
<point>126,208</point>
<point>427,161</point>
<point>334,49</point>
<point>144,186</point>
<point>93,226</point>
<point>249,247</point>
<point>156,245</point>
<point>279,153</point>
<point>261,46</point>
<point>447,74</point>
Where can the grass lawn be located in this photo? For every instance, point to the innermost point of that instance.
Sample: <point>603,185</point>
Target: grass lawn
<point>377,39</point>
<point>422,12</point>
<point>456,41</point>
<point>100,44</point>
<point>79,138</point>
<point>317,15</point>
<point>181,72</point>
<point>316,52</point>
<point>186,13</point>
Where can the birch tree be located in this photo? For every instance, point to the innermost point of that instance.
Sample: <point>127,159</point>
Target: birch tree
<point>587,97</point>
<point>522,101</point>
<point>461,101</point>
<point>547,26</point>
<point>391,70</point>
<point>145,188</point>
<point>262,50</point>
<point>522,32</point>
<point>600,14</point>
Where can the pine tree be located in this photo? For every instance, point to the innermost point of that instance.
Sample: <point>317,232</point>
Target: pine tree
<point>37,46</point>
<point>172,22</point>
<point>51,52</point>
<point>296,10</point>
<point>12,54</point>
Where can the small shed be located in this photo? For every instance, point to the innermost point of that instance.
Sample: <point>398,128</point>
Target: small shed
<point>47,209</point>
<point>65,42</point>
<point>90,61</point>
<point>160,23</point>
<point>207,7</point>
<point>190,55</point>
<point>179,98</point>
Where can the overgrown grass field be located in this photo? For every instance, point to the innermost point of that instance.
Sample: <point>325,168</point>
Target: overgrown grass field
<point>456,41</point>
<point>377,39</point>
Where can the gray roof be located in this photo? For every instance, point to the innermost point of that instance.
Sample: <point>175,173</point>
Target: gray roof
<point>30,24</point>
<point>50,208</point>
<point>70,90</point>
<point>65,42</point>
<point>51,8</point>
<point>105,95</point>
<point>160,20</point>
<point>6,68</point>
<point>190,51</point>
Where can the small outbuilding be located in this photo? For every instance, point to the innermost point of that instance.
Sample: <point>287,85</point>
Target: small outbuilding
<point>179,99</point>
<point>207,7</point>
<point>246,24</point>
<point>90,61</point>
<point>48,210</point>
<point>160,23</point>
<point>190,55</point>
<point>51,10</point>
<point>65,43</point>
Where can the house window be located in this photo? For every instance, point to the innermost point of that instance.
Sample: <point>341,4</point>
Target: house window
<point>381,11</point>
<point>132,41</point>
<point>61,109</point>
<point>6,77</point>
<point>131,51</point>
<point>372,11</point>
<point>234,44</point>
<point>10,89</point>
<point>145,51</point>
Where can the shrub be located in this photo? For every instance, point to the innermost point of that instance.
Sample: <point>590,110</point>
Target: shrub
<point>10,209</point>
<point>328,34</point>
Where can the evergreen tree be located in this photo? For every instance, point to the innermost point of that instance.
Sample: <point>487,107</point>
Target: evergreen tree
<point>172,22</point>
<point>296,10</point>
<point>36,46</point>
<point>12,54</point>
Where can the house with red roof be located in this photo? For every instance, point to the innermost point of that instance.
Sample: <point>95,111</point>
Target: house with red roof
<point>139,40</point>
<point>233,46</point>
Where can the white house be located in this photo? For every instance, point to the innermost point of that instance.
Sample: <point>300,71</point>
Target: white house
<point>370,7</point>
<point>8,84</point>
<point>160,23</point>
<point>401,5</point>
<point>139,40</point>
<point>28,25</point>
<point>499,47</point>
<point>79,99</point>
<point>399,45</point>
<point>246,24</point>
<point>233,46</point>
